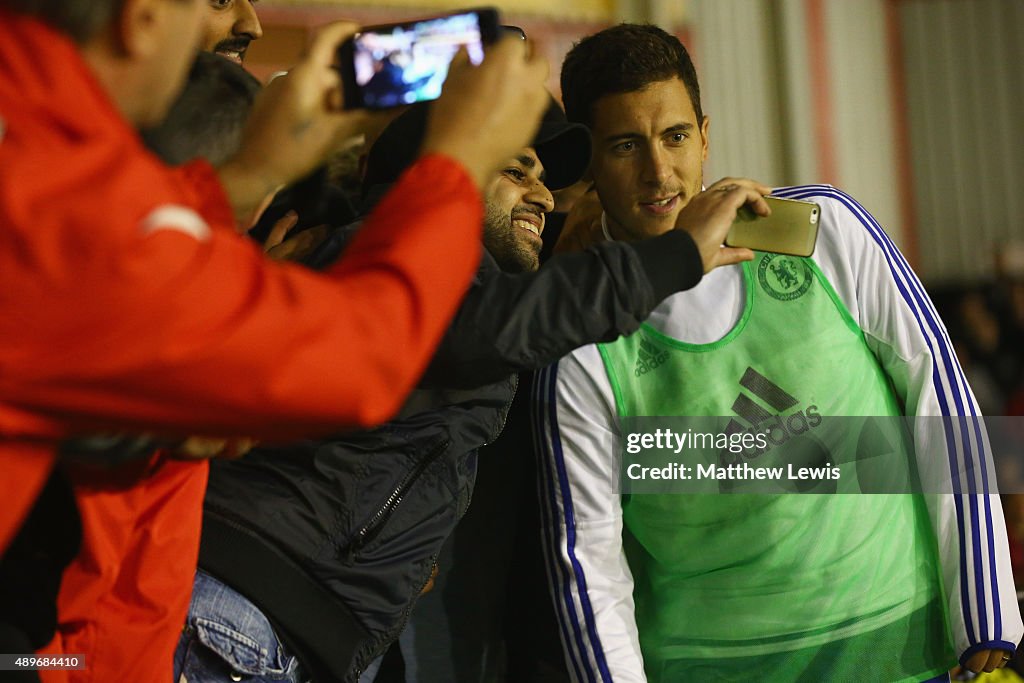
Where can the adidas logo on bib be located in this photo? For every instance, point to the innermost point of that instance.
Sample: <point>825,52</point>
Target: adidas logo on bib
<point>778,426</point>
<point>648,357</point>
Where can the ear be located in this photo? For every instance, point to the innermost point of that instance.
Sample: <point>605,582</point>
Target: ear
<point>139,25</point>
<point>704,137</point>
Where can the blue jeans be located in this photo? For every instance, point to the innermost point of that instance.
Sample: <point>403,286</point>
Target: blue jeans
<point>227,638</point>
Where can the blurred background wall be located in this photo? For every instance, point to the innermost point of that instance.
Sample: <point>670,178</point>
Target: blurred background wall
<point>909,105</point>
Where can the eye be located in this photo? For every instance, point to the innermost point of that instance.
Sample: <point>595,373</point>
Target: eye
<point>220,4</point>
<point>624,147</point>
<point>515,174</point>
<point>677,138</point>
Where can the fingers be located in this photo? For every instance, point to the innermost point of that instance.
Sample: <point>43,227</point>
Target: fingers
<point>760,188</point>
<point>280,229</point>
<point>487,113</point>
<point>335,98</point>
<point>320,57</point>
<point>325,44</point>
<point>740,191</point>
<point>755,200</point>
<point>709,216</point>
<point>728,256</point>
<point>538,68</point>
<point>508,45</point>
<point>236,448</point>
<point>996,659</point>
<point>531,47</point>
<point>743,190</point>
<point>300,246</point>
<point>201,448</point>
<point>735,196</point>
<point>719,203</point>
<point>205,448</point>
<point>512,50</point>
<point>987,660</point>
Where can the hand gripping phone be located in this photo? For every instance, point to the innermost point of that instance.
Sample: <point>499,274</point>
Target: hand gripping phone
<point>792,228</point>
<point>397,64</point>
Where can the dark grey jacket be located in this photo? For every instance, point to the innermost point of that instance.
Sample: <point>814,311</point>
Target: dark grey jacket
<point>333,540</point>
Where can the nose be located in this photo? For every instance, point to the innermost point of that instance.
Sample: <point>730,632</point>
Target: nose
<point>540,196</point>
<point>657,169</point>
<point>246,21</point>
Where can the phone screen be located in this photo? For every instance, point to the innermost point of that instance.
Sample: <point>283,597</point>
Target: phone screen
<point>407,63</point>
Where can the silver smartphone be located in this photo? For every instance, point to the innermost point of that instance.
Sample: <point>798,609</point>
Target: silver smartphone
<point>792,228</point>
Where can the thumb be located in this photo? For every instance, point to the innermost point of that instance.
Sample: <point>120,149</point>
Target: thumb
<point>728,256</point>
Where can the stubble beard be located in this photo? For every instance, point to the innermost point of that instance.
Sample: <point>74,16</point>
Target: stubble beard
<point>514,255</point>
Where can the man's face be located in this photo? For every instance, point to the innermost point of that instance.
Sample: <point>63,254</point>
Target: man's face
<point>649,151</point>
<point>515,204</point>
<point>231,25</point>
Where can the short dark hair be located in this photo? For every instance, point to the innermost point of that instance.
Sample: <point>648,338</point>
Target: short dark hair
<point>621,59</point>
<point>209,116</point>
<point>80,19</point>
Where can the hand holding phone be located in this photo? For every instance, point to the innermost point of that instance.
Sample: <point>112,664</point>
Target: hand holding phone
<point>708,216</point>
<point>407,62</point>
<point>488,113</point>
<point>294,125</point>
<point>791,228</point>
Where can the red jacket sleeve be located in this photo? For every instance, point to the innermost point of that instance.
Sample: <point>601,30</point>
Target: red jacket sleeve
<point>178,328</point>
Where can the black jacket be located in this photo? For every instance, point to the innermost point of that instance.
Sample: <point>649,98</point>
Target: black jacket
<point>333,540</point>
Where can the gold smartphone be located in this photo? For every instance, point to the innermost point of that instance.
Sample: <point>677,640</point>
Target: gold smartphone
<point>792,228</point>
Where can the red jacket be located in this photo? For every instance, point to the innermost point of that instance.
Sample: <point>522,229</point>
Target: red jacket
<point>126,301</point>
<point>123,600</point>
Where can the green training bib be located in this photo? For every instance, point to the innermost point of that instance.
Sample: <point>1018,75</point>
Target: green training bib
<point>790,587</point>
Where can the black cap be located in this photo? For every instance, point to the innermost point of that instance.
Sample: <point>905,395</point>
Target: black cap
<point>563,148</point>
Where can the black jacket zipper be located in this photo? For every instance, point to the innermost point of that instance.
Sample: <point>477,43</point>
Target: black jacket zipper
<point>504,412</point>
<point>377,521</point>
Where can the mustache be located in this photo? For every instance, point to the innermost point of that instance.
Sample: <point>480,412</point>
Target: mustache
<point>523,210</point>
<point>240,44</point>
